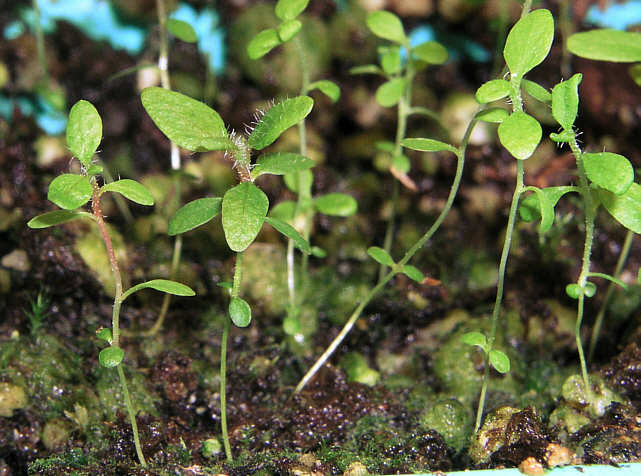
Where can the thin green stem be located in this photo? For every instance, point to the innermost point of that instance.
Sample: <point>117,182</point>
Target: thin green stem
<point>40,44</point>
<point>132,415</point>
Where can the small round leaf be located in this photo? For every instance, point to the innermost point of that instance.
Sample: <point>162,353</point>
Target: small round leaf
<point>474,338</point>
<point>290,9</point>
<point>625,208</point>
<point>240,312</point>
<point>492,91</point>
<point>389,93</point>
<point>500,361</point>
<point>263,43</point>
<point>413,273</point>
<point>70,191</point>
<point>529,42</point>
<point>336,204</point>
<point>84,131</point>
<point>520,134</point>
<point>328,88</point>
<point>380,255</point>
<point>182,30</point>
<point>130,189</point>
<point>110,357</point>
<point>431,52</point>
<point>612,172</point>
<point>194,214</point>
<point>386,25</point>
<point>573,290</point>
<point>288,30</point>
<point>244,209</point>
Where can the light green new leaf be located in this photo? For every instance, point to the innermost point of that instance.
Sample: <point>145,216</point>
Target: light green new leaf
<point>278,119</point>
<point>281,163</point>
<point>530,209</point>
<point>537,91</point>
<point>328,88</point>
<point>492,91</point>
<point>431,52</point>
<point>70,191</point>
<point>164,285</point>
<point>520,134</point>
<point>130,189</point>
<point>386,25</point>
<point>288,30</point>
<point>380,256</point>
<point>474,338</point>
<point>493,114</point>
<point>244,211</point>
<point>545,208</point>
<point>428,145</point>
<point>104,333</point>
<point>612,172</point>
<point>290,9</point>
<point>194,214</point>
<point>626,208</point>
<point>336,204</point>
<point>240,312</point>
<point>366,69</point>
<point>565,101</point>
<point>110,357</point>
<point>263,43</point>
<point>84,131</point>
<point>529,42</point>
<point>56,217</point>
<point>290,232</point>
<point>413,273</point>
<point>500,361</point>
<point>607,45</point>
<point>299,181</point>
<point>390,59</point>
<point>182,30</point>
<point>185,121</point>
<point>390,92</point>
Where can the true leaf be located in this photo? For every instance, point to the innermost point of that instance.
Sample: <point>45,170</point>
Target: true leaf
<point>56,217</point>
<point>386,25</point>
<point>84,131</point>
<point>428,145</point>
<point>284,211</point>
<point>336,204</point>
<point>380,256</point>
<point>625,208</point>
<point>281,163</point>
<point>164,285</point>
<point>289,9</point>
<point>263,43</point>
<point>607,45</point>
<point>70,191</point>
<point>185,121</point>
<point>565,101</point>
<point>612,172</point>
<point>182,30</point>
<point>111,356</point>
<point>244,210</point>
<point>499,361</point>
<point>493,114</point>
<point>413,273</point>
<point>194,214</point>
<point>474,338</point>
<point>366,69</point>
<point>537,91</point>
<point>431,52</point>
<point>530,210</point>
<point>390,92</point>
<point>520,134</point>
<point>240,312</point>
<point>217,143</point>
<point>288,30</point>
<point>391,59</point>
<point>318,252</point>
<point>130,189</point>
<point>290,232</point>
<point>278,119</point>
<point>529,42</point>
<point>545,208</point>
<point>328,88</point>
<point>299,181</point>
<point>492,91</point>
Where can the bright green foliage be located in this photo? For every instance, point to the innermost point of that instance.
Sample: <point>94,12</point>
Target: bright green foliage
<point>195,213</point>
<point>281,163</point>
<point>299,181</point>
<point>499,361</point>
<point>380,256</point>
<point>413,273</point>
<point>520,134</point>
<point>185,121</point>
<point>336,204</point>
<point>290,232</point>
<point>390,59</point>
<point>56,217</point>
<point>244,210</point>
<point>529,42</point>
<point>537,91</point>
<point>612,172</point>
<point>104,333</point>
<point>288,30</point>
<point>111,356</point>
<point>84,131</point>
<point>530,210</point>
<point>474,338</point>
<point>366,69</point>
<point>545,208</point>
<point>428,145</point>
<point>574,291</point>
<point>493,114</point>
<point>607,45</point>
<point>328,88</point>
<point>565,101</point>
<point>263,43</point>
<point>625,208</point>
<point>70,191</point>
<point>278,119</point>
<point>386,25</point>
<point>401,163</point>
<point>164,285</point>
<point>497,358</point>
<point>240,312</point>
<point>283,211</point>
<point>130,189</point>
<point>431,52</point>
<point>389,93</point>
<point>290,9</point>
<point>182,30</point>
<point>635,73</point>
<point>492,91</point>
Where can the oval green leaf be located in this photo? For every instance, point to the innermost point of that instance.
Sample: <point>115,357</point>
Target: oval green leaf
<point>390,59</point>
<point>244,210</point>
<point>278,119</point>
<point>366,69</point>
<point>281,163</point>
<point>474,338</point>
<point>110,357</point>
<point>263,43</point>
<point>290,232</point>
<point>493,114</point>
<point>529,42</point>
<point>289,9</point>
<point>182,30</point>
<point>164,285</point>
<point>288,30</point>
<point>130,189</point>
<point>386,25</point>
<point>612,172</point>
<point>299,181</point>
<point>56,217</point>
<point>520,134</point>
<point>625,208</point>
<point>431,52</point>
<point>428,145</point>
<point>195,213</point>
<point>413,273</point>
<point>240,312</point>
<point>328,88</point>
<point>70,191</point>
<point>84,131</point>
<point>499,361</point>
<point>492,91</point>
<point>381,256</point>
<point>185,121</point>
<point>607,45</point>
<point>390,92</point>
<point>104,333</point>
<point>565,101</point>
<point>336,204</point>
<point>284,211</point>
<point>537,91</point>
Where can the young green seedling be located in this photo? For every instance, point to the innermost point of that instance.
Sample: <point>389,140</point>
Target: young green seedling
<point>73,191</point>
<point>196,127</point>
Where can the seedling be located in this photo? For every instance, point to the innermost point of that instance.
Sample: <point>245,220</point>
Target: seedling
<point>196,127</point>
<point>71,192</point>
<point>497,358</point>
<point>38,312</point>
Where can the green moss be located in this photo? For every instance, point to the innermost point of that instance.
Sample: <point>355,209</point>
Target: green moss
<point>452,420</point>
<point>110,392</point>
<point>74,459</point>
<point>12,397</point>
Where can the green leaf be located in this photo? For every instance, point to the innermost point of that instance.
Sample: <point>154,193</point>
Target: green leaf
<point>413,273</point>
<point>529,42</point>
<point>612,172</point>
<point>607,45</point>
<point>94,169</point>
<point>70,191</point>
<point>288,30</point>
<point>336,204</point>
<point>545,208</point>
<point>625,208</point>
<point>195,213</point>
<point>56,217</point>
<point>431,52</point>
<point>589,290</point>
<point>263,43</point>
<point>217,143</point>
<point>318,252</point>
<point>520,134</point>
<point>104,333</point>
<point>185,121</point>
<point>290,232</point>
<point>380,256</point>
<point>565,101</point>
<point>390,92</point>
<point>493,91</point>
<point>84,131</point>
<point>328,88</point>
<point>635,73</point>
<point>428,145</point>
<point>537,91</point>
<point>529,208</point>
<point>130,189</point>
<point>391,59</point>
<point>182,30</point>
<point>284,211</point>
<point>573,290</point>
<point>226,285</point>
<point>499,361</point>
<point>401,163</point>
<point>386,25</point>
<point>474,338</point>
<point>289,9</point>
<point>366,69</point>
<point>493,114</point>
<point>305,177</point>
<point>110,357</point>
<point>564,136</point>
<point>163,285</point>
<point>240,312</point>
<point>244,211</point>
<point>281,163</point>
<point>278,119</point>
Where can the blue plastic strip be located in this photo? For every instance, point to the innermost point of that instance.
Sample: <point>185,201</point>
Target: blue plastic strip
<point>630,469</point>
